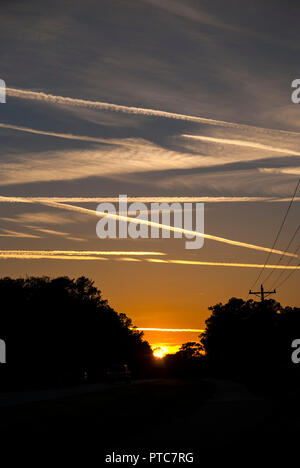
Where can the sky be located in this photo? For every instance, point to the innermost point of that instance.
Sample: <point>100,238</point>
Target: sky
<point>160,100</point>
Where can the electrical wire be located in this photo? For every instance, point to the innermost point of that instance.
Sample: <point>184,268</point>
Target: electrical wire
<point>277,236</point>
<point>282,256</point>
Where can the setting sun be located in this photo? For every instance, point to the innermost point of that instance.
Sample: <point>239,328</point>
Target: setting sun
<point>160,352</point>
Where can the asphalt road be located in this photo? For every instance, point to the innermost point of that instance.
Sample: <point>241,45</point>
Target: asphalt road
<point>209,418</point>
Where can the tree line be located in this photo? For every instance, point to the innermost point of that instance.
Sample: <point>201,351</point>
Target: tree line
<point>247,340</point>
<point>61,329</point>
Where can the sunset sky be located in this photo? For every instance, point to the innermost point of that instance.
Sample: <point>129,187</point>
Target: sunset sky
<point>168,101</point>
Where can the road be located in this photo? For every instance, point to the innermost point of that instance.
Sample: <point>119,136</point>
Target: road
<point>206,417</point>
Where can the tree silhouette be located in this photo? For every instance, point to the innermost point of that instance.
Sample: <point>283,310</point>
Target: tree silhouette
<point>190,350</point>
<point>62,327</point>
<point>250,336</point>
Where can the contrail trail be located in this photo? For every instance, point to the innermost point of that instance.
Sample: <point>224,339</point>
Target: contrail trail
<point>5,199</point>
<point>60,205</point>
<point>29,256</point>
<point>78,253</point>
<point>226,264</point>
<point>125,142</point>
<point>67,136</point>
<point>163,226</point>
<point>105,254</point>
<point>52,99</point>
<point>243,143</point>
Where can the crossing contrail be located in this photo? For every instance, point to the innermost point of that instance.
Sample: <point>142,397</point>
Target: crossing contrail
<point>50,202</point>
<point>135,144</point>
<point>163,226</point>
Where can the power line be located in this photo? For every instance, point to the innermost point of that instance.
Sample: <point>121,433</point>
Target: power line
<point>284,271</point>
<point>277,236</point>
<point>288,276</point>
<point>287,248</point>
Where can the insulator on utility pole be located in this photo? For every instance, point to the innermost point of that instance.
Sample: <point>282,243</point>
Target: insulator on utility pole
<point>262,293</point>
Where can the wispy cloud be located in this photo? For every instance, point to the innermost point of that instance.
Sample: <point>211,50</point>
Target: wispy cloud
<point>39,218</point>
<point>8,233</point>
<point>53,232</point>
<point>113,162</point>
<point>280,170</point>
<point>242,143</point>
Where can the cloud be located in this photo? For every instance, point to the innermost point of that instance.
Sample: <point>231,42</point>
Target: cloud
<point>77,164</point>
<point>39,218</point>
<point>278,170</point>
<point>135,158</point>
<point>9,233</point>
<point>53,232</point>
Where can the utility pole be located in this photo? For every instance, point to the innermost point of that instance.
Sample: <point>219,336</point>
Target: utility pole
<point>262,293</point>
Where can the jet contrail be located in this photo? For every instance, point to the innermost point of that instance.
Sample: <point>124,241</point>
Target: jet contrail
<point>78,253</point>
<point>52,99</point>
<point>67,136</point>
<point>245,265</point>
<point>226,264</point>
<point>60,205</point>
<point>163,226</point>
<point>243,143</point>
<point>4,199</point>
<point>52,257</point>
<point>126,142</point>
<point>105,254</point>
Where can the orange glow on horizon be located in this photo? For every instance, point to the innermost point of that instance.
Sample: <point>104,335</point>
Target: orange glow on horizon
<point>160,352</point>
<point>192,330</point>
